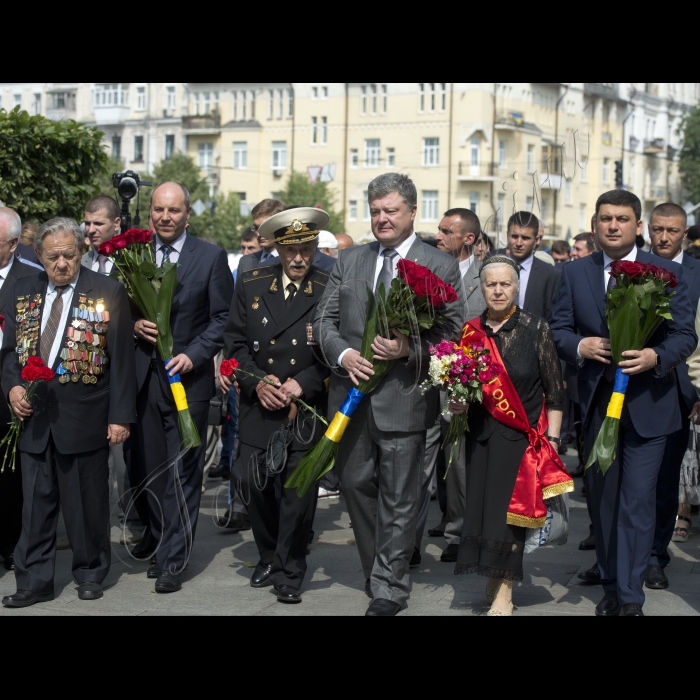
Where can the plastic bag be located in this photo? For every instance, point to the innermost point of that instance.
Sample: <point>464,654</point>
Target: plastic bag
<point>556,527</point>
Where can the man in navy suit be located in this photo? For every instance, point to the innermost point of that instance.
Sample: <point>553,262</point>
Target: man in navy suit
<point>623,501</point>
<point>668,227</point>
<point>198,316</point>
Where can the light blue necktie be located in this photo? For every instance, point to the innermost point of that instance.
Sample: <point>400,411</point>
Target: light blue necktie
<point>166,254</point>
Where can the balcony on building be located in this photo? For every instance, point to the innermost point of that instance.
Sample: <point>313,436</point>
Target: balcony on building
<point>202,124</point>
<point>61,104</point>
<point>110,103</point>
<point>482,172</point>
<point>608,91</point>
<point>654,194</point>
<point>511,120</point>
<point>654,146</point>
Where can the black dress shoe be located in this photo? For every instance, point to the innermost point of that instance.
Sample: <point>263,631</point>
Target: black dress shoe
<point>153,571</point>
<point>655,578</point>
<point>235,523</point>
<point>382,608</point>
<point>286,594</point>
<point>9,562</point>
<point>450,554</point>
<point>631,610</point>
<point>23,599</point>
<point>592,575</point>
<point>220,472</point>
<point>578,472</point>
<point>368,589</point>
<point>90,591</point>
<point>438,531</point>
<point>415,559</point>
<point>261,576</point>
<point>168,582</point>
<point>588,543</point>
<point>609,606</point>
<point>146,547</point>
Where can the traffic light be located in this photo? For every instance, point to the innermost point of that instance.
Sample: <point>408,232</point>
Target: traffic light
<point>618,174</point>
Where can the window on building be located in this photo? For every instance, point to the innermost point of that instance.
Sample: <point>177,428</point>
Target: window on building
<point>421,97</point>
<point>474,151</point>
<point>196,102</point>
<point>170,97</point>
<point>432,96</point>
<point>443,97</point>
<point>290,104</point>
<point>582,225</point>
<point>140,98</point>
<point>606,170</point>
<point>234,105</point>
<point>314,131</point>
<point>374,98</point>
<point>116,146</point>
<point>109,95</point>
<point>502,153</point>
<point>244,105</point>
<point>584,173</point>
<point>270,103</point>
<point>390,157</point>
<point>206,103</point>
<point>216,102</point>
<point>324,131</point>
<point>280,106</point>
<point>371,153</point>
<point>240,155</point>
<point>206,157</point>
<point>474,202</point>
<point>430,205</point>
<point>363,100</point>
<point>385,99</point>
<point>352,216</point>
<point>279,155</point>
<point>567,192</point>
<point>169,146</point>
<point>314,93</point>
<point>252,104</point>
<point>501,213</point>
<point>530,158</point>
<point>324,92</point>
<point>17,100</point>
<point>431,152</point>
<point>37,103</point>
<point>354,159</point>
<point>365,211</point>
<point>138,149</point>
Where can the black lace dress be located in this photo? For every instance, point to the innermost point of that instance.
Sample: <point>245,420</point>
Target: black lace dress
<point>489,546</point>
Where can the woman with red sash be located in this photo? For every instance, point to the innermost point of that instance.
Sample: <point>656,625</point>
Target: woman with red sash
<point>512,464</point>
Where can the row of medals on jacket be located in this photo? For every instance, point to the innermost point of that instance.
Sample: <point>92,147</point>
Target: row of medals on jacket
<point>83,356</point>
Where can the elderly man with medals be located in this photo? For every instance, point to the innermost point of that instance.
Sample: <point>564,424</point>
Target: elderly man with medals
<point>269,333</point>
<point>78,322</point>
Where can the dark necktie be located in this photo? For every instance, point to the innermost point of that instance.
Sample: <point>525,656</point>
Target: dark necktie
<point>386,274</point>
<point>102,262</point>
<point>49,334</point>
<point>166,254</point>
<point>611,369</point>
<point>292,289</point>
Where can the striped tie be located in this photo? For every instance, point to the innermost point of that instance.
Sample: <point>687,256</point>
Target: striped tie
<point>166,254</point>
<point>49,334</point>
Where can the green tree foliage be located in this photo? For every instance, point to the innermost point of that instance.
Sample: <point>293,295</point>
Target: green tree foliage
<point>226,224</point>
<point>299,190</point>
<point>689,165</point>
<point>48,168</point>
<point>182,168</point>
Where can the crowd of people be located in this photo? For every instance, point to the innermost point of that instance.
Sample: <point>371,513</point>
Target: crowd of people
<point>292,315</point>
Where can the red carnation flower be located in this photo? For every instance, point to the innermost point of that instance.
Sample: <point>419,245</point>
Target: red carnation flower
<point>35,361</point>
<point>228,367</point>
<point>30,374</point>
<point>45,374</point>
<point>106,248</point>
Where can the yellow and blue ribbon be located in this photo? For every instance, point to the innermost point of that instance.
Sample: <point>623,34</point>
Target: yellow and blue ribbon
<point>617,400</point>
<point>177,389</point>
<point>341,419</point>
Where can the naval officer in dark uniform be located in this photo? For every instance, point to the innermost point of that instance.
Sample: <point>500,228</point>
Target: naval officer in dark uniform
<point>269,332</point>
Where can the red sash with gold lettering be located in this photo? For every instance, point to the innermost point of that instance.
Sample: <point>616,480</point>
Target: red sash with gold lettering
<point>541,474</point>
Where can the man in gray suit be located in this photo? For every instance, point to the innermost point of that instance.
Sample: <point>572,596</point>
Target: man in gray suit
<point>456,235</point>
<point>381,454</point>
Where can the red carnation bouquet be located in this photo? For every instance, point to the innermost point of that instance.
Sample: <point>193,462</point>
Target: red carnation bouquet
<point>636,306</point>
<point>410,306</point>
<point>34,372</point>
<point>152,289</point>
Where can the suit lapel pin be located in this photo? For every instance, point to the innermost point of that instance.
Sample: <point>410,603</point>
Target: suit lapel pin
<point>256,346</point>
<point>264,321</point>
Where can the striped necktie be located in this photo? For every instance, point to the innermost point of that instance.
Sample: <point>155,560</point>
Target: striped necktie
<point>166,254</point>
<point>49,334</point>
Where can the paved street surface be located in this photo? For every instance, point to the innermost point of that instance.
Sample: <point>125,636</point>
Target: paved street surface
<point>216,582</point>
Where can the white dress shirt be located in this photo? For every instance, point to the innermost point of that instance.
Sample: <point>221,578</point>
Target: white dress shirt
<point>94,263</point>
<point>679,258</point>
<point>5,271</point>
<point>402,251</point>
<point>525,267</point>
<point>51,296</point>
<point>175,249</point>
<point>465,265</point>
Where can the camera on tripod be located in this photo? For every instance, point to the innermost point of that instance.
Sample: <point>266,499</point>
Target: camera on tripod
<point>128,186</point>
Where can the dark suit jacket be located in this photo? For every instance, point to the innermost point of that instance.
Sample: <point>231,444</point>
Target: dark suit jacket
<point>651,397</point>
<point>542,289</point>
<point>321,262</point>
<point>198,316</point>
<point>397,404</point>
<point>74,414</point>
<point>266,337</point>
<point>17,271</point>
<point>27,253</point>
<point>691,274</point>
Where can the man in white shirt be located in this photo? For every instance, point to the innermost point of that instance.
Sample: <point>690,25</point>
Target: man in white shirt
<point>102,223</point>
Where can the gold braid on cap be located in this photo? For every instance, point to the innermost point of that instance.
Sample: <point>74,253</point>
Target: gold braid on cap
<point>293,235</point>
<point>500,259</point>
